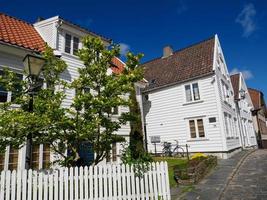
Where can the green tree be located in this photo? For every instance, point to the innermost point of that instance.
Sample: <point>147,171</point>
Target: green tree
<point>89,120</point>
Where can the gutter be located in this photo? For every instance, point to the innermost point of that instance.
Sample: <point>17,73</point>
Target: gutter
<point>179,82</point>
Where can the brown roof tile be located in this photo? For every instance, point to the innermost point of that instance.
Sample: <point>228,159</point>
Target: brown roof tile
<point>235,79</point>
<point>191,62</point>
<point>17,32</point>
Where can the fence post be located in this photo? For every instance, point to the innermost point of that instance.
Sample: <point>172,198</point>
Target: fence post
<point>187,154</point>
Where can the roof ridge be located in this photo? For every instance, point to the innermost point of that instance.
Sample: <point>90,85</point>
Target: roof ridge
<point>182,49</point>
<point>16,18</point>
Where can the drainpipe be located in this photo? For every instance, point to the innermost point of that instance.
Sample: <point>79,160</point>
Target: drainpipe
<point>240,124</point>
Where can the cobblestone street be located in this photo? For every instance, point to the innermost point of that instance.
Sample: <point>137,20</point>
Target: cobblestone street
<point>241,177</point>
<point>250,181</point>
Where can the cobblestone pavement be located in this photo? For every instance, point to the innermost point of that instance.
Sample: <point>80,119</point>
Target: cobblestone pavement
<point>211,187</point>
<point>250,181</point>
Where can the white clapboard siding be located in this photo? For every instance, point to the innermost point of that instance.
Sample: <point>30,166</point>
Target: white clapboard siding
<point>98,182</point>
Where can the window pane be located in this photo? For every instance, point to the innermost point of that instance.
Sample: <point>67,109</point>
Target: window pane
<point>196,91</point>
<point>115,110</point>
<point>114,152</point>
<point>67,43</point>
<point>35,156</point>
<point>188,93</point>
<point>18,88</point>
<point>192,128</point>
<point>46,156</point>
<point>2,161</point>
<point>13,159</point>
<point>75,45</point>
<point>200,126</point>
<point>3,92</point>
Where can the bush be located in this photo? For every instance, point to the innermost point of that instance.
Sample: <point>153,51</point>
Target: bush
<point>198,156</point>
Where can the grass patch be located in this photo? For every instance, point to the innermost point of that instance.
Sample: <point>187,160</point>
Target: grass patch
<point>182,163</point>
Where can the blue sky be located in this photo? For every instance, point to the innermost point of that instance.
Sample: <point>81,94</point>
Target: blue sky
<point>147,26</point>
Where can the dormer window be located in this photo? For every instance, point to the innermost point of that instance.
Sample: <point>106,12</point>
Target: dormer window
<point>71,44</point>
<point>67,43</point>
<point>75,45</point>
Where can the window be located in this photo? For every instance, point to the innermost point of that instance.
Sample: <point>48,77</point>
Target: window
<point>2,161</point>
<point>3,91</point>
<point>115,110</point>
<point>226,124</point>
<point>67,43</point>
<point>35,156</point>
<point>46,156</point>
<point>114,151</point>
<point>5,95</point>
<point>188,93</point>
<point>13,159</point>
<point>196,127</point>
<point>192,129</point>
<point>18,88</point>
<point>192,92</point>
<point>75,45</point>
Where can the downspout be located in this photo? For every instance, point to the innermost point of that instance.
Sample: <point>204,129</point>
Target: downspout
<point>240,124</point>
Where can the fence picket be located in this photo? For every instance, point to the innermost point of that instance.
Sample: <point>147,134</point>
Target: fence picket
<point>66,181</point>
<point>29,194</point>
<point>76,183</point>
<point>24,184</point>
<point>155,182</point>
<point>123,177</point>
<point>45,186</point>
<point>2,186</point>
<point>86,189</point>
<point>13,185</point>
<point>167,186</point>
<point>81,182</point>
<point>95,182</point>
<point>71,183</point>
<point>34,184</point>
<point>56,185</point>
<point>150,178</point>
<point>107,182</point>
<point>51,187</point>
<point>19,185</point>
<point>128,182</point>
<point>91,187</point>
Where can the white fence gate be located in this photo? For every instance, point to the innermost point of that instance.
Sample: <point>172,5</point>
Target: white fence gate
<point>99,182</point>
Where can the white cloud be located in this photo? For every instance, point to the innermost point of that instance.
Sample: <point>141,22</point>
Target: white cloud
<point>247,74</point>
<point>124,48</point>
<point>246,19</point>
<point>181,7</point>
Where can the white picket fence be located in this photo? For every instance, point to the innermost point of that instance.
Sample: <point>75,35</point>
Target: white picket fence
<point>99,182</point>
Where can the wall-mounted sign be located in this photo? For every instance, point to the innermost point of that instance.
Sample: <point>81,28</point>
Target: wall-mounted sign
<point>155,139</point>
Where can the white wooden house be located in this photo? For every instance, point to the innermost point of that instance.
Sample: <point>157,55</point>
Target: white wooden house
<point>18,38</point>
<point>190,98</point>
<point>244,106</point>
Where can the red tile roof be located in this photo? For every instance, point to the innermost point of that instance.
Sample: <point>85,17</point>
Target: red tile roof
<point>185,64</point>
<point>19,33</point>
<point>235,79</point>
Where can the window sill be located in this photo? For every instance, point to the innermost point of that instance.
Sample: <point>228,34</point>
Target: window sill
<point>193,102</point>
<point>198,140</point>
<point>69,55</point>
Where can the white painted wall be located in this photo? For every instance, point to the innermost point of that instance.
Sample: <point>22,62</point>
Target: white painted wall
<point>168,114</point>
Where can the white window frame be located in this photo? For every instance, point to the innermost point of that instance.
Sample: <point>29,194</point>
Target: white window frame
<point>71,42</point>
<point>196,128</point>
<point>9,93</point>
<point>192,92</point>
